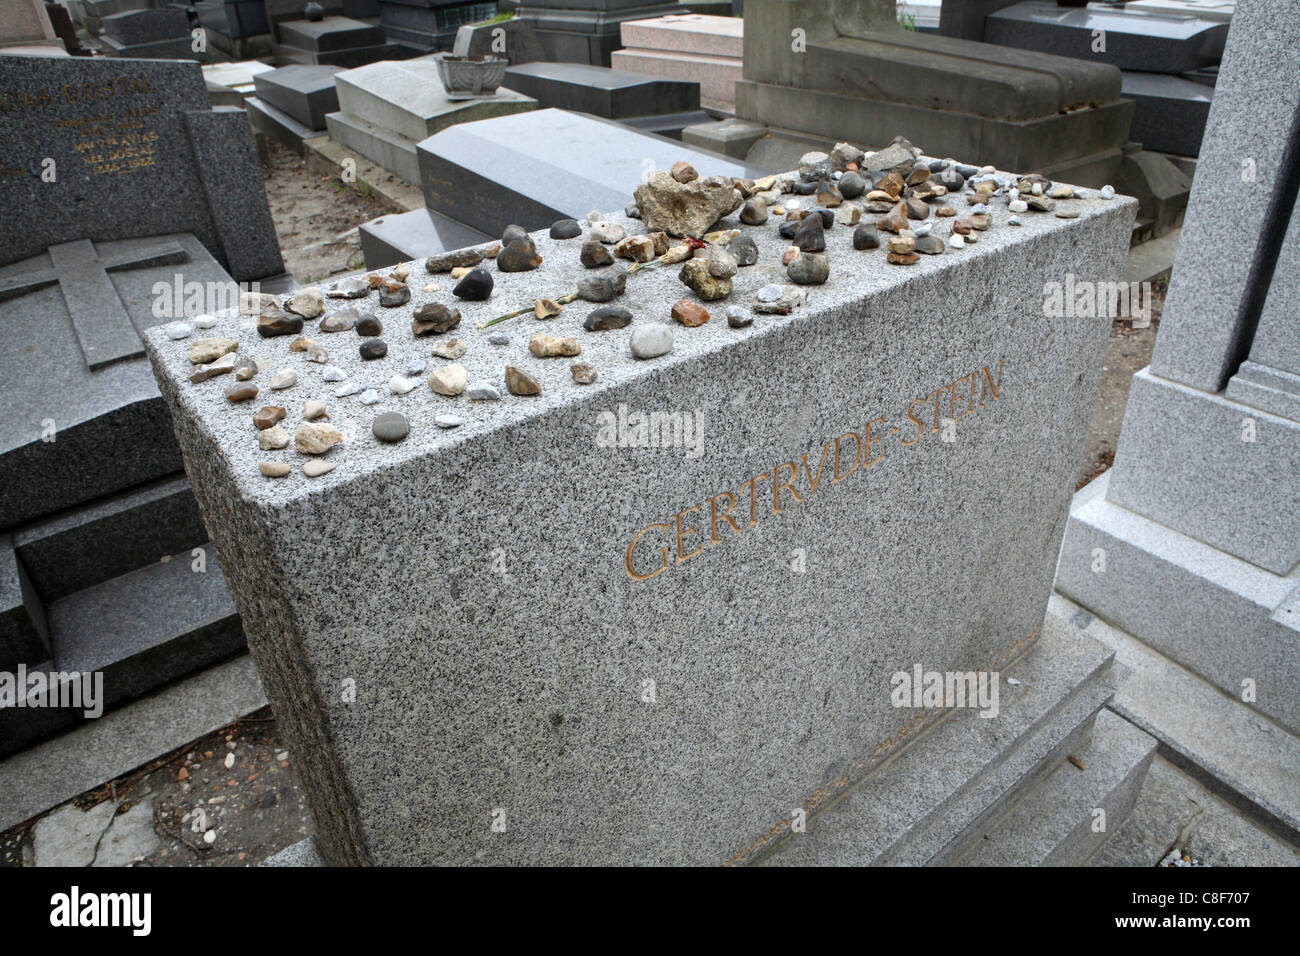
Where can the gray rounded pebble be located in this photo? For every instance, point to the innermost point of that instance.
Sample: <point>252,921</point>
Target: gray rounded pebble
<point>391,426</point>
<point>447,421</point>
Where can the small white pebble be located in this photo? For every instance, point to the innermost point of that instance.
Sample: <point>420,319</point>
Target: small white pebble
<point>399,385</point>
<point>369,397</point>
<point>230,760</point>
<point>333,373</point>
<point>178,330</point>
<point>210,837</point>
<point>204,321</point>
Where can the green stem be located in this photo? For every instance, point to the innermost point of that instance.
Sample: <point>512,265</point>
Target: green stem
<point>563,300</point>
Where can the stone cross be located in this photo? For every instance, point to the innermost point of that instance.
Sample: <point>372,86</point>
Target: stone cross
<point>100,319</point>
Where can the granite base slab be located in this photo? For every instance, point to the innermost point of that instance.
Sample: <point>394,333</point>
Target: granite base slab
<point>277,125</point>
<point>1057,824</point>
<point>1245,758</point>
<point>382,147</point>
<point>417,234</point>
<point>1225,619</point>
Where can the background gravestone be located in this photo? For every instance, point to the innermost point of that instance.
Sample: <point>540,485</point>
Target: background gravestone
<point>136,151</point>
<point>116,182</point>
<point>585,31</point>
<point>1199,519</point>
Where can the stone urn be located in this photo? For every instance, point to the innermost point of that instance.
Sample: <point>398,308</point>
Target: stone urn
<point>471,76</point>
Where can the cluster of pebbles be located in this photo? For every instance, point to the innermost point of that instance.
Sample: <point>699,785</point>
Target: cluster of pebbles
<point>893,200</point>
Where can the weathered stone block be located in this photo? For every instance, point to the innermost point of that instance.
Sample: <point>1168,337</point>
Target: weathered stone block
<point>523,620</point>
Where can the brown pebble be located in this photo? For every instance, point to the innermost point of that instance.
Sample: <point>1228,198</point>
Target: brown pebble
<point>520,382</point>
<point>903,258</point>
<point>690,314</point>
<point>268,415</point>
<point>273,469</point>
<point>584,373</point>
<point>241,393</point>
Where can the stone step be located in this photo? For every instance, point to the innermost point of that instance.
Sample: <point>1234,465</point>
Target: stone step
<point>391,151</point>
<point>687,33</point>
<point>716,75</point>
<point>907,814</point>
<point>1056,824</point>
<point>417,234</point>
<point>1240,754</point>
<point>140,631</point>
<point>88,545</point>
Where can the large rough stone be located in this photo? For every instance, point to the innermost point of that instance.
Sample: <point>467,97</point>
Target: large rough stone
<point>685,209</point>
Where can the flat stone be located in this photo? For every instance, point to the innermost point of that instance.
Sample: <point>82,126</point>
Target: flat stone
<point>448,421</point>
<point>206,351</point>
<point>272,439</point>
<point>519,382</point>
<point>317,467</point>
<point>268,415</point>
<point>551,346</point>
<point>448,349</point>
<point>274,469</point>
<point>390,427</point>
<point>607,318</point>
<point>483,392</point>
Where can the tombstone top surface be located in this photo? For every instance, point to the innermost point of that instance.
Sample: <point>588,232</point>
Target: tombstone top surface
<point>585,74</point>
<point>567,162</point>
<point>694,23</point>
<point>299,78</point>
<point>649,294</point>
<point>42,360</point>
<point>236,74</point>
<point>1170,26</point>
<point>407,96</point>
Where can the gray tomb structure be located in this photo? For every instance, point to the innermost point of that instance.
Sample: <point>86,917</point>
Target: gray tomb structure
<point>650,103</point>
<point>431,25</point>
<point>585,31</point>
<point>1169,60</point>
<point>534,168</point>
<point>238,28</point>
<point>1190,543</point>
<point>133,150</point>
<point>857,77</point>
<point>162,34</point>
<point>421,711</point>
<point>292,102</point>
<point>386,109</point>
<point>124,202</point>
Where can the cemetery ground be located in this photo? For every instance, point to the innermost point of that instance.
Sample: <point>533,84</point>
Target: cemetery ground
<point>316,215</point>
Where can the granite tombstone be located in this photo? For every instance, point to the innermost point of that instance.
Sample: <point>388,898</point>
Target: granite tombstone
<point>103,150</point>
<point>688,636</point>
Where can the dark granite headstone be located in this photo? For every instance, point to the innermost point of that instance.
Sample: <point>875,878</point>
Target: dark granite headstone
<point>430,24</point>
<point>513,39</point>
<point>117,149</point>
<point>1171,112</point>
<point>330,33</point>
<point>1132,41</point>
<point>587,31</point>
<point>305,93</point>
<point>613,94</point>
<point>74,368</point>
<point>147,26</point>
